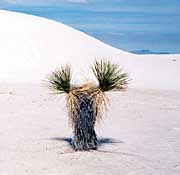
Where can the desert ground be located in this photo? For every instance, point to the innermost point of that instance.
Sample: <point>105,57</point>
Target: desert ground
<point>139,134</point>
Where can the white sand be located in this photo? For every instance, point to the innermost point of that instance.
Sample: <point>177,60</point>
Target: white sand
<point>141,132</point>
<point>31,47</point>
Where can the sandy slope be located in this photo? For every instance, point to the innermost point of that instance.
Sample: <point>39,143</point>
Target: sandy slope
<point>31,47</point>
<point>141,134</point>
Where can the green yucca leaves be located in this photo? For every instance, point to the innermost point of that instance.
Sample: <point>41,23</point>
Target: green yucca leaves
<point>59,80</point>
<point>109,76</point>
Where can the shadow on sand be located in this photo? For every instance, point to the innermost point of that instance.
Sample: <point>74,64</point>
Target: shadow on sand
<point>101,141</point>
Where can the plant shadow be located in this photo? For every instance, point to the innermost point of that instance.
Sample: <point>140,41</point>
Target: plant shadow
<point>101,141</point>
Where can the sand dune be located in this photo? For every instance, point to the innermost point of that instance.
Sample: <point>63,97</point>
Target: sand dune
<point>140,133</point>
<point>31,47</point>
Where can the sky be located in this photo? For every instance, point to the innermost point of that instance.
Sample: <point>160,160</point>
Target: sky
<point>126,24</point>
<point>48,2</point>
<point>40,2</point>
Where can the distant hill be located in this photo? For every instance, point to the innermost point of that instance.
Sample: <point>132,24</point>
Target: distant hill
<point>146,51</point>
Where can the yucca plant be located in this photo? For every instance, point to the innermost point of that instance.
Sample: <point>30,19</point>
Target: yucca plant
<point>109,76</point>
<point>85,103</point>
<point>60,79</point>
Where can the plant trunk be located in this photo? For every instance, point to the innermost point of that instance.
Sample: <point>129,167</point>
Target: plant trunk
<point>84,134</point>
